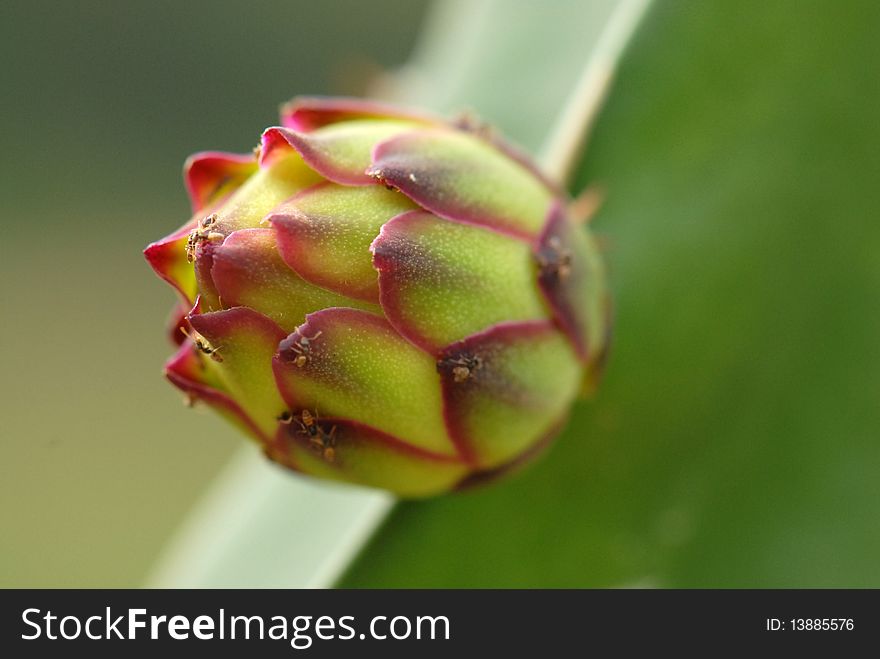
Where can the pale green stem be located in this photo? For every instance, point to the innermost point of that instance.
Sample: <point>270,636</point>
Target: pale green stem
<point>564,146</point>
<point>258,526</point>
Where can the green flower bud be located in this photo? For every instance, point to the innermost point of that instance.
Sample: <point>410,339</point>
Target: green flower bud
<point>384,298</point>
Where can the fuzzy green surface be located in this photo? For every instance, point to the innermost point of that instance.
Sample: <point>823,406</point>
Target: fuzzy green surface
<point>345,148</point>
<point>460,176</point>
<point>245,342</point>
<point>360,369</point>
<point>442,281</point>
<point>325,234</point>
<point>523,387</point>
<point>371,463</point>
<point>248,271</point>
<point>268,187</point>
<point>573,279</point>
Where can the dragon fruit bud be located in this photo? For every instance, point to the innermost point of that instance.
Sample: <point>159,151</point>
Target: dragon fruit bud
<point>382,297</point>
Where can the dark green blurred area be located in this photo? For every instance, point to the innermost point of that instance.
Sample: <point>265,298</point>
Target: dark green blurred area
<point>102,101</point>
<point>736,439</point>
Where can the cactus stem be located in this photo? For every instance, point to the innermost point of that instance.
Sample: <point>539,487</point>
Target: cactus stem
<point>573,129</point>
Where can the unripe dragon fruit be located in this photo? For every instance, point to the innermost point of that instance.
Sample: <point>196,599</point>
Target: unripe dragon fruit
<point>382,297</point>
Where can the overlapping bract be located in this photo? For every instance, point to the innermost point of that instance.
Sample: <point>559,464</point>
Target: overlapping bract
<point>382,297</point>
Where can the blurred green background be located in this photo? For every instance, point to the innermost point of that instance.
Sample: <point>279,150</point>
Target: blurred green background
<point>736,439</point>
